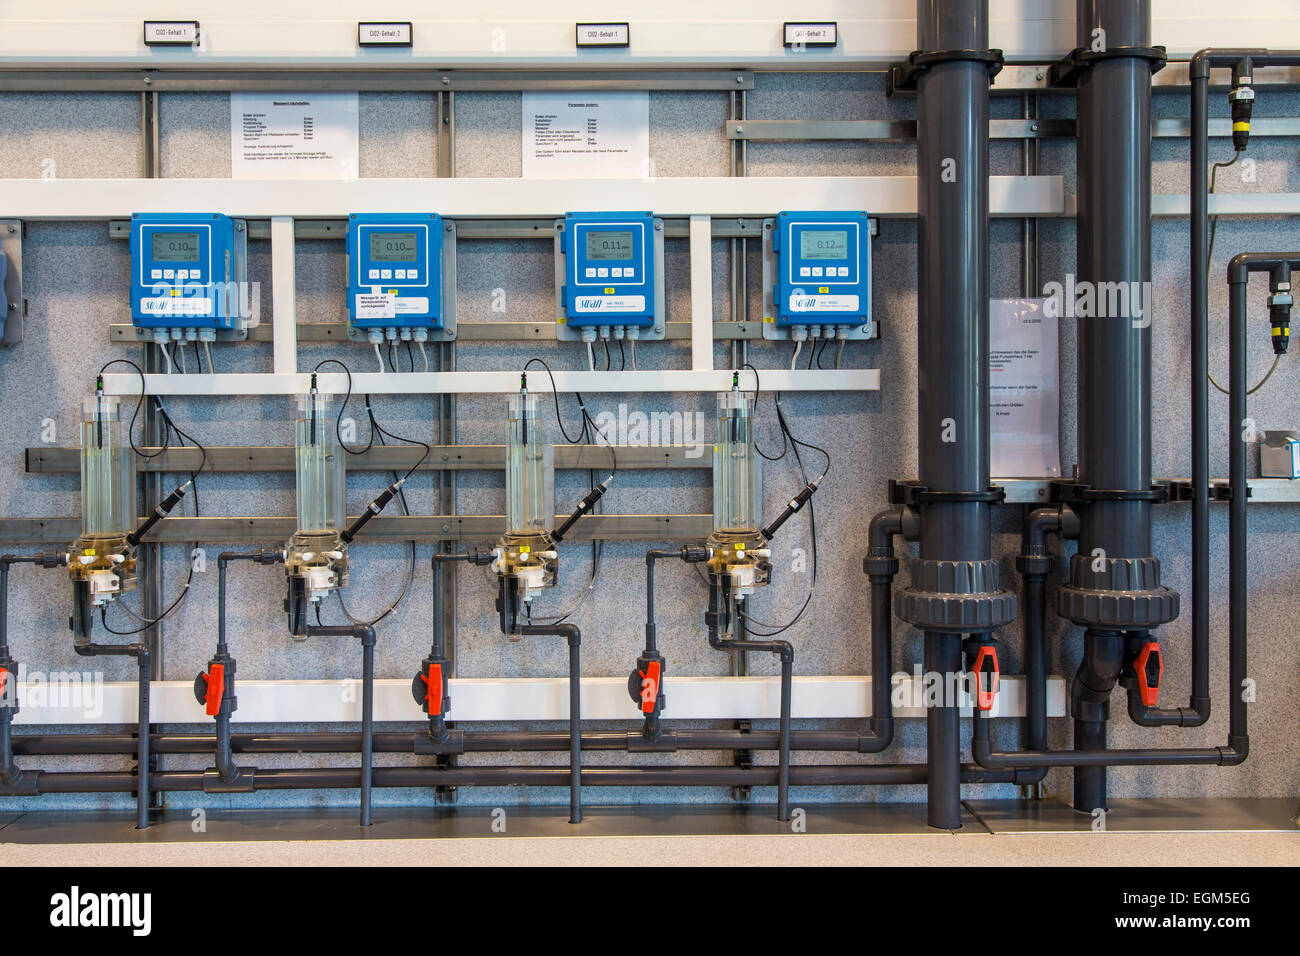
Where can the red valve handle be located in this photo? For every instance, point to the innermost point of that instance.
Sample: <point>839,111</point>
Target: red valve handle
<point>1148,658</point>
<point>987,656</point>
<point>216,689</point>
<point>434,696</point>
<point>650,687</point>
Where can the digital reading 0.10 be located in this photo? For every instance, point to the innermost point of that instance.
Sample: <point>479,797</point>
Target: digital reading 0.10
<point>393,246</point>
<point>175,246</point>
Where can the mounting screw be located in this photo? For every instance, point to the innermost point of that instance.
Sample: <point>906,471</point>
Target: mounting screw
<point>740,79</point>
<point>1038,76</point>
<point>1033,127</point>
<point>659,226</point>
<point>12,230</point>
<point>148,81</point>
<point>740,130</point>
<point>446,528</point>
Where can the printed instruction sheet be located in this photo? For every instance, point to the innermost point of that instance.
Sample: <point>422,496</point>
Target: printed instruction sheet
<point>293,136</point>
<point>586,135</point>
<point>1024,390</point>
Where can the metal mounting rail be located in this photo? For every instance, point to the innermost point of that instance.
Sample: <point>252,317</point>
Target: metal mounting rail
<point>261,458</point>
<point>62,531</point>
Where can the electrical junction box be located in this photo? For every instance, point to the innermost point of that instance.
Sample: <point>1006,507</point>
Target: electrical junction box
<point>401,276</point>
<point>817,275</point>
<point>609,275</point>
<point>4,298</point>
<point>12,303</point>
<point>189,274</point>
<point>1279,454</point>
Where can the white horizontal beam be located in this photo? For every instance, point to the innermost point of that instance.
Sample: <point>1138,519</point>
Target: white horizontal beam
<point>492,699</point>
<point>729,196</point>
<point>1229,204</point>
<point>513,33</point>
<point>501,383</point>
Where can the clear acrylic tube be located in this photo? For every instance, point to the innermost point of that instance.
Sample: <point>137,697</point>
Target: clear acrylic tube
<point>529,508</point>
<point>107,471</point>
<point>319,466</point>
<point>736,491</point>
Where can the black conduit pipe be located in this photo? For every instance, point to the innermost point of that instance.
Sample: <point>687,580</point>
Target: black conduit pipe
<point>507,609</point>
<point>880,565</point>
<point>485,741</point>
<point>366,635</point>
<point>785,651</point>
<point>10,775</point>
<point>142,775</point>
<point>1114,581</point>
<point>1238,747</point>
<point>954,581</point>
<point>227,769</point>
<point>810,775</point>
<point>1242,62</point>
<point>652,728</point>
<point>1034,564</point>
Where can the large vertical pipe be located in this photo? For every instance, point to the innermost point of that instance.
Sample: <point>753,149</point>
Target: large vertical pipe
<point>1200,359</point>
<point>1114,581</point>
<point>1114,351</point>
<point>1114,246</point>
<point>952,115</point>
<point>952,159</point>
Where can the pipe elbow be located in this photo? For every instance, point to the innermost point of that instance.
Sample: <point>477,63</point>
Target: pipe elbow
<point>878,738</point>
<point>1235,754</point>
<point>1239,268</point>
<point>364,633</point>
<point>884,526</point>
<point>981,750</point>
<point>1038,524</point>
<point>1194,716</point>
<point>784,650</point>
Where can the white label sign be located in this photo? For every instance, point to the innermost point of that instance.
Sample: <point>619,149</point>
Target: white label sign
<point>610,303</point>
<point>171,32</point>
<point>375,305</point>
<point>1024,390</point>
<point>293,136</point>
<point>603,34</point>
<point>802,302</point>
<point>384,34</point>
<point>404,304</point>
<point>177,305</point>
<point>586,135</point>
<point>811,34</point>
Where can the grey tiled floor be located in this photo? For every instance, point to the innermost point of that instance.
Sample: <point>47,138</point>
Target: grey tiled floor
<point>1163,832</point>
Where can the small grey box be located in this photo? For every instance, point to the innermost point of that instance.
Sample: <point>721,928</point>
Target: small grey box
<point>1279,454</point>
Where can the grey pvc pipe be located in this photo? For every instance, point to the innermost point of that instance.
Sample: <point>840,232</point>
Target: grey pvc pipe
<point>952,114</point>
<point>640,776</point>
<point>1238,747</point>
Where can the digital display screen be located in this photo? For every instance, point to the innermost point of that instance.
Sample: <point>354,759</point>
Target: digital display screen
<point>393,246</point>
<point>824,244</point>
<point>609,245</point>
<point>175,246</point>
